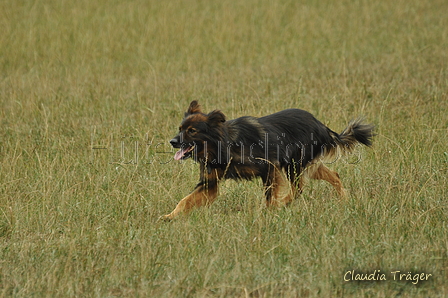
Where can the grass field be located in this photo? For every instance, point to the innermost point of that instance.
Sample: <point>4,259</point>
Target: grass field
<point>92,91</point>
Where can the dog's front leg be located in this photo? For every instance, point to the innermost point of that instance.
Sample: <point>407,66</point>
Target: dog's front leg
<point>204,194</point>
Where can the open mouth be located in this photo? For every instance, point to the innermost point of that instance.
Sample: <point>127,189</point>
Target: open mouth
<point>183,153</point>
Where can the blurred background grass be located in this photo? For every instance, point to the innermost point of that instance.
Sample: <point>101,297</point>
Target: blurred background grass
<point>92,90</point>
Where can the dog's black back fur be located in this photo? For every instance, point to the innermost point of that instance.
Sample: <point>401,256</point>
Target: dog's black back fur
<point>291,137</point>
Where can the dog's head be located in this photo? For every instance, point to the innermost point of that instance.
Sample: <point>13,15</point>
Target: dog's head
<point>196,131</point>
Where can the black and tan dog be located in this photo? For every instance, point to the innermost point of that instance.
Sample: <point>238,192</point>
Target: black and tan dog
<point>281,148</point>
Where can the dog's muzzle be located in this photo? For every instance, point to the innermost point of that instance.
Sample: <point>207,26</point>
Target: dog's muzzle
<point>185,150</point>
<point>175,143</point>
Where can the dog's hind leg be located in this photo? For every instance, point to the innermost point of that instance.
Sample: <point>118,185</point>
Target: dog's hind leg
<point>296,179</point>
<point>278,190</point>
<point>321,172</point>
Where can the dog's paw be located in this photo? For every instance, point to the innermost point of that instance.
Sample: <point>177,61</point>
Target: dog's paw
<point>165,218</point>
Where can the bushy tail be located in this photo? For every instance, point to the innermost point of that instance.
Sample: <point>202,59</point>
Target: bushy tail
<point>356,133</point>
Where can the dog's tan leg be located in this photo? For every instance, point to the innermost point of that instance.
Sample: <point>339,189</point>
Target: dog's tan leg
<point>281,190</point>
<point>296,179</point>
<point>203,195</point>
<point>321,172</point>
<point>300,186</point>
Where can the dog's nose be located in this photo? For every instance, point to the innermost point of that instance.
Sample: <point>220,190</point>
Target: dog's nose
<point>173,142</point>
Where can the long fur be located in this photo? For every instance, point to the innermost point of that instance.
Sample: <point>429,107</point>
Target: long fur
<point>287,143</point>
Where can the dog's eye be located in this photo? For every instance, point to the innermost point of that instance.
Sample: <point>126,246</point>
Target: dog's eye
<point>192,130</point>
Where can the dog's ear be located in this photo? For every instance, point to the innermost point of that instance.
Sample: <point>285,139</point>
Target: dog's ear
<point>216,117</point>
<point>193,108</point>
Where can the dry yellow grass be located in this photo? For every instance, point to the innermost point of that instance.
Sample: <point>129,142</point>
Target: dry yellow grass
<point>91,92</point>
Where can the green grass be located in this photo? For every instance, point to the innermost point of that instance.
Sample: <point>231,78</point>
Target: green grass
<point>80,221</point>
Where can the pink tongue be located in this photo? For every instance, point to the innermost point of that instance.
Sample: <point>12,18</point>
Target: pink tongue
<point>180,153</point>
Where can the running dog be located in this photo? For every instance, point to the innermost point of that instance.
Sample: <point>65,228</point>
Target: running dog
<point>282,149</point>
